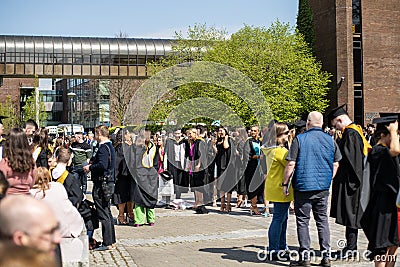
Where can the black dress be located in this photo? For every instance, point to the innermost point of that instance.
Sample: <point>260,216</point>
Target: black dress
<point>198,156</point>
<point>240,165</point>
<point>379,220</point>
<point>225,161</point>
<point>123,177</point>
<point>253,175</point>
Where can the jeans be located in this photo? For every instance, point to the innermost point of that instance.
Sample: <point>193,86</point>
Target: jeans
<point>80,176</point>
<point>319,207</point>
<point>104,213</point>
<point>277,229</point>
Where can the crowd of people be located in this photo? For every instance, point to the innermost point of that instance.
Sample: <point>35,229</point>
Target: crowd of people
<point>295,167</point>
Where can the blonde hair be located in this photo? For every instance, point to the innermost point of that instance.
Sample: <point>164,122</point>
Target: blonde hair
<point>43,178</point>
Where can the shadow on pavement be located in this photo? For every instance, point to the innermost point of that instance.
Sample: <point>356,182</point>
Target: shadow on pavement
<point>241,255</point>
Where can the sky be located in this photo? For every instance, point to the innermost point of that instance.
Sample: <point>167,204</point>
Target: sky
<point>137,18</point>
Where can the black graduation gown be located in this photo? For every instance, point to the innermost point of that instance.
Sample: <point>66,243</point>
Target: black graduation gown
<point>226,162</point>
<point>240,165</point>
<point>181,181</point>
<point>145,180</point>
<point>123,177</point>
<point>379,220</point>
<point>73,189</point>
<point>347,184</point>
<point>198,178</point>
<point>42,159</point>
<point>253,174</point>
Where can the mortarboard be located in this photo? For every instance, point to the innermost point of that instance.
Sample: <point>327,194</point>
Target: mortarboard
<point>385,120</point>
<point>2,118</point>
<point>299,124</point>
<point>336,112</point>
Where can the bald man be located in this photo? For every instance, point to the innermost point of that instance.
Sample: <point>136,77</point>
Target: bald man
<point>316,157</point>
<point>28,222</point>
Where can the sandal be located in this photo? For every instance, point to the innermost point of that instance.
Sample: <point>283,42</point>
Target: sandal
<point>223,208</point>
<point>130,216</point>
<point>228,208</point>
<point>121,220</point>
<point>254,210</point>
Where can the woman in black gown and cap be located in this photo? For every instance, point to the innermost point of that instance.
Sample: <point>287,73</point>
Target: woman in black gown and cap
<point>380,221</point>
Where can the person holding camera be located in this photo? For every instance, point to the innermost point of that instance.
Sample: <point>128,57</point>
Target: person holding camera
<point>102,166</point>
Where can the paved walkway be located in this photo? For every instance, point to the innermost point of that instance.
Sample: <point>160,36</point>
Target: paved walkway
<point>183,238</point>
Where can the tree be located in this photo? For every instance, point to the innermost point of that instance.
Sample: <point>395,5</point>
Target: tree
<point>9,109</point>
<point>29,110</point>
<point>121,92</point>
<point>305,23</point>
<point>277,60</point>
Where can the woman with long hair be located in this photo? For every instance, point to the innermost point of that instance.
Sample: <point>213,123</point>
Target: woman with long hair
<point>123,178</point>
<point>253,175</point>
<point>55,195</point>
<point>41,152</point>
<point>275,155</point>
<point>240,141</point>
<point>18,165</point>
<point>225,162</point>
<point>145,188</point>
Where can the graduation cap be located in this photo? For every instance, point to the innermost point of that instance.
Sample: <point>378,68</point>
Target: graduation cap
<point>2,118</point>
<point>299,124</point>
<point>336,112</point>
<point>385,120</point>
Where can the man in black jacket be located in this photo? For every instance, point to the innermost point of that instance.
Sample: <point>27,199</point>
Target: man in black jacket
<point>102,166</point>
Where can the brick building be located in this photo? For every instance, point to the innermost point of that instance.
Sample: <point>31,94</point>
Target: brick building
<point>358,41</point>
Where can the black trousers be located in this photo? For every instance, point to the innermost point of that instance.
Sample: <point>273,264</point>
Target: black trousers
<point>105,217</point>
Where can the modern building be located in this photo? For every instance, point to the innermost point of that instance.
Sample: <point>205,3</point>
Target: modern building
<point>90,105</point>
<point>358,41</point>
<point>84,64</point>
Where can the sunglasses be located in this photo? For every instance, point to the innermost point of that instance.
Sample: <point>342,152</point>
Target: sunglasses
<point>284,133</point>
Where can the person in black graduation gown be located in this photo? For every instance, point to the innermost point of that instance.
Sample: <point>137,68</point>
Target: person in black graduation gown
<point>175,157</point>
<point>123,177</point>
<point>197,169</point>
<point>145,176</point>
<point>380,221</point>
<point>225,161</point>
<point>347,185</point>
<point>253,175</point>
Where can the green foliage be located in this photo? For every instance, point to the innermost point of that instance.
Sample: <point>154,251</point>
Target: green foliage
<point>277,60</point>
<point>29,110</point>
<point>305,23</point>
<point>9,109</point>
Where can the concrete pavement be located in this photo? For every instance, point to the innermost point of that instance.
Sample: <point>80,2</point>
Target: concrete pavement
<point>183,238</point>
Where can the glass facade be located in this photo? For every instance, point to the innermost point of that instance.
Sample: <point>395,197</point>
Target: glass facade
<point>79,56</point>
<point>90,105</point>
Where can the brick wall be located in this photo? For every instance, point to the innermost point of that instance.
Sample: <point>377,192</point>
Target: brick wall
<point>381,55</point>
<point>11,87</point>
